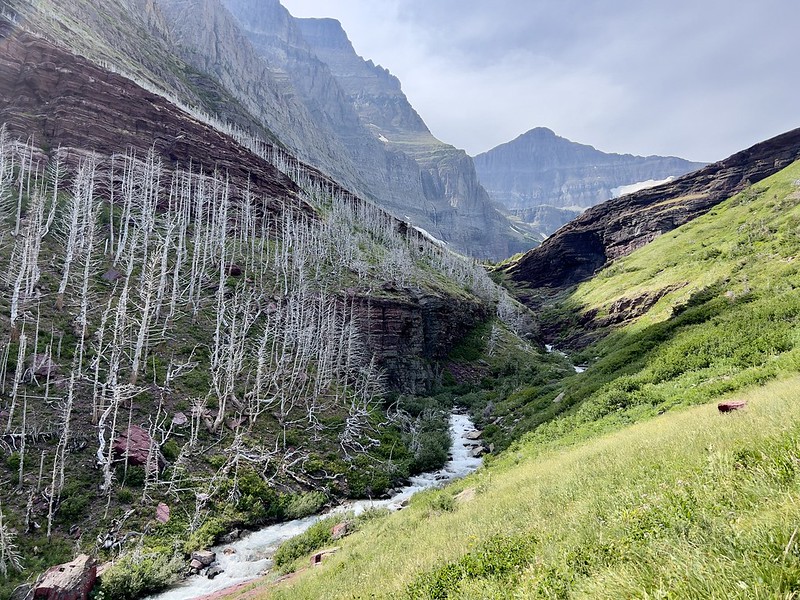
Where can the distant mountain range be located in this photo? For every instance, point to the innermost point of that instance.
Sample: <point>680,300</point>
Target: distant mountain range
<point>547,180</point>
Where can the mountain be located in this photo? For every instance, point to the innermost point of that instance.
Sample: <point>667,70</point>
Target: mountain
<point>612,230</point>
<point>429,183</point>
<point>269,81</point>
<point>542,170</point>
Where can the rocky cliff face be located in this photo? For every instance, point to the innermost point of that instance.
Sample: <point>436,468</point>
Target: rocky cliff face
<point>411,332</point>
<point>265,77</point>
<point>617,227</point>
<point>540,168</point>
<point>399,163</point>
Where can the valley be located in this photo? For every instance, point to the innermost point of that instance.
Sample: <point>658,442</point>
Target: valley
<point>250,303</point>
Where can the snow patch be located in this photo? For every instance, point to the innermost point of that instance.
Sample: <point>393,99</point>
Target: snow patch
<point>635,187</point>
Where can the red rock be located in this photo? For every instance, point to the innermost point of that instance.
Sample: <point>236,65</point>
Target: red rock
<point>135,445</point>
<point>162,513</point>
<point>196,564</point>
<point>70,581</point>
<point>731,405</point>
<point>317,558</point>
<point>42,365</point>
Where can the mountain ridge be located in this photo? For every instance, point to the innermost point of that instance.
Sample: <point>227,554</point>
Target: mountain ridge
<point>540,169</point>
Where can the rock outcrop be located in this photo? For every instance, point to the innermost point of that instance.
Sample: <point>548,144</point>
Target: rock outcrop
<point>410,332</point>
<point>620,226</point>
<point>540,169</point>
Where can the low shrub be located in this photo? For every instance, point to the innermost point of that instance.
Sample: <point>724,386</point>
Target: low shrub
<point>314,538</point>
<point>298,506</point>
<point>500,557</point>
<point>137,574</point>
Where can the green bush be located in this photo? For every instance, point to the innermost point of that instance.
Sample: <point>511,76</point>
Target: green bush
<point>170,449</point>
<point>314,538</point>
<point>13,461</point>
<point>432,451</point>
<point>297,506</point>
<point>208,533</point>
<point>137,574</point>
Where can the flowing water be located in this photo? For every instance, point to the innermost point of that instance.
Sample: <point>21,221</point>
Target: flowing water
<point>251,555</point>
<point>549,348</point>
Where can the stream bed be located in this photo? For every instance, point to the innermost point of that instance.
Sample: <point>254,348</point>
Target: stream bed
<point>250,556</point>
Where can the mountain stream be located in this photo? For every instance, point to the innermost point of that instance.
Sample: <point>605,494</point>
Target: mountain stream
<point>250,556</point>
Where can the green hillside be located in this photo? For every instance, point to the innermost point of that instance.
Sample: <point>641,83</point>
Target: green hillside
<point>691,504</point>
<point>719,312</point>
<point>602,494</point>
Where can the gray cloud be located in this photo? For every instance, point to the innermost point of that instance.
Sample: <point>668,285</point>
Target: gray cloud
<point>699,79</point>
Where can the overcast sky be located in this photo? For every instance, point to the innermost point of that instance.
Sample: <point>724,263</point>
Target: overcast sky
<point>700,79</point>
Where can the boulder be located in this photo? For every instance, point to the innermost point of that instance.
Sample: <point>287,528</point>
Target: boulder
<point>111,275</point>
<point>195,565</point>
<point>135,445</point>
<point>731,405</point>
<point>477,452</point>
<point>180,419</point>
<point>559,398</point>
<point>473,435</point>
<point>42,365</point>
<point>162,513</point>
<point>204,557</point>
<point>466,496</point>
<point>231,537</point>
<point>342,529</point>
<point>214,571</point>
<point>70,581</point>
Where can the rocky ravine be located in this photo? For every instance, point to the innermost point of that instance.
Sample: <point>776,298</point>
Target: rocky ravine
<point>618,227</point>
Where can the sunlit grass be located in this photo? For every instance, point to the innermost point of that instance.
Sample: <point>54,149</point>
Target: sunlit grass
<point>690,504</point>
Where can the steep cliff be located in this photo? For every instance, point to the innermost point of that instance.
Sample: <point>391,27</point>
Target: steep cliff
<point>540,168</point>
<point>399,163</point>
<point>619,226</point>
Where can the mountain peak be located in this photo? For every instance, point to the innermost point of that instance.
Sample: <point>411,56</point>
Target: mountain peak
<point>325,32</point>
<point>539,132</point>
<point>542,170</point>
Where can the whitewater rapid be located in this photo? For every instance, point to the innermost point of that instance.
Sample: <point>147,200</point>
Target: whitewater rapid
<point>251,555</point>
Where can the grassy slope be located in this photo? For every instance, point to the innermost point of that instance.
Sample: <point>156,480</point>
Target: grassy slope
<point>688,504</point>
<point>691,504</point>
<point>733,319</point>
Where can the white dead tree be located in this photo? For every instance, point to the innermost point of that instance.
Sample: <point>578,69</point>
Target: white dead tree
<point>10,557</point>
